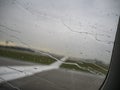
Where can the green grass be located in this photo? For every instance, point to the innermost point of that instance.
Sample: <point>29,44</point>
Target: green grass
<point>85,66</point>
<point>32,57</point>
<point>103,65</point>
<point>94,67</point>
<point>73,67</point>
<point>26,56</point>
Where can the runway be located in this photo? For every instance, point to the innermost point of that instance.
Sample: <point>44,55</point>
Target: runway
<point>58,79</point>
<point>53,79</point>
<point>12,62</point>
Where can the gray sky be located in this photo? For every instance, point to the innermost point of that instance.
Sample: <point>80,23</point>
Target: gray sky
<point>78,28</point>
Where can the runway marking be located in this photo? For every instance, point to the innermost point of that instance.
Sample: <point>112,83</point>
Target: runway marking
<point>14,72</point>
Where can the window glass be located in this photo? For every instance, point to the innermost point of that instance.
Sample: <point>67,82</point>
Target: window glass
<point>56,44</point>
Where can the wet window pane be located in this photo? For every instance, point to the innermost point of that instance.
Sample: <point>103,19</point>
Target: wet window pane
<point>56,44</point>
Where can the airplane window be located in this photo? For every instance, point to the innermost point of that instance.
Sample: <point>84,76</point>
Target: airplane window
<point>56,44</point>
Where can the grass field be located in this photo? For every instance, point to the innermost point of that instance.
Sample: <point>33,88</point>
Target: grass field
<point>31,57</point>
<point>84,66</point>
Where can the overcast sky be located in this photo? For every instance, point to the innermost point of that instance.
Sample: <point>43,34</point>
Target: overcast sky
<point>78,28</point>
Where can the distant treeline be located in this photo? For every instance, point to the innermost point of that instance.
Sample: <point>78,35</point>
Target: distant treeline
<point>17,48</point>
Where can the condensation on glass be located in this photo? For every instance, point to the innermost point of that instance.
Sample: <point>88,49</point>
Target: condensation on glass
<point>56,44</point>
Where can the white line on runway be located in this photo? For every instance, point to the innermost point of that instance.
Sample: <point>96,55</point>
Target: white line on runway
<point>14,72</point>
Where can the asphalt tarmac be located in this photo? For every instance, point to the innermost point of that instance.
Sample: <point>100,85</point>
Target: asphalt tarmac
<point>12,62</point>
<point>57,79</point>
